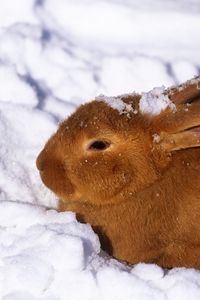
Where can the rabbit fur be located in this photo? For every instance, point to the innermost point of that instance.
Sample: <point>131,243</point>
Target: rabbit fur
<point>141,194</point>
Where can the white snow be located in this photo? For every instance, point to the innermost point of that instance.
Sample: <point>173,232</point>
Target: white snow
<point>196,81</point>
<point>23,132</point>
<point>55,55</point>
<point>18,91</point>
<point>152,102</point>
<point>155,101</point>
<point>156,138</point>
<point>116,103</point>
<point>49,255</point>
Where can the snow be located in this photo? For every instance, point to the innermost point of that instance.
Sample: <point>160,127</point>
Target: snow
<point>23,131</point>
<point>116,103</point>
<point>156,138</point>
<point>50,255</point>
<point>195,81</point>
<point>155,101</point>
<point>55,55</point>
<point>18,92</point>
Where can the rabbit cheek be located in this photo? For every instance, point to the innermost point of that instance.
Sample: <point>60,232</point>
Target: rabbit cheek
<point>101,182</point>
<point>121,177</point>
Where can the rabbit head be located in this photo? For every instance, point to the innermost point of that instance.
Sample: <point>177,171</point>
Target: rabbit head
<point>101,156</point>
<point>97,154</point>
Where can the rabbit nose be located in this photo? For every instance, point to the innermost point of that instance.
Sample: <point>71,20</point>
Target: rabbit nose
<point>40,161</point>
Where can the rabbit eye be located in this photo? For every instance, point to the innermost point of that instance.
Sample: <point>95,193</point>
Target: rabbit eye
<point>99,145</point>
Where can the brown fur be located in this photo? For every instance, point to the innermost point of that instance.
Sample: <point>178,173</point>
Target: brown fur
<point>141,197</point>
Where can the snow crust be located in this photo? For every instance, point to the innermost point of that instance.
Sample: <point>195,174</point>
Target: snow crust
<point>54,55</point>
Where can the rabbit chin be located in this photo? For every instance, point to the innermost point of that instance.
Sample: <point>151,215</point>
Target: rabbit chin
<point>99,197</point>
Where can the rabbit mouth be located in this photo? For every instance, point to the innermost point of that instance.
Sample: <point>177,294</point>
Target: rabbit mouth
<point>58,183</point>
<point>195,129</point>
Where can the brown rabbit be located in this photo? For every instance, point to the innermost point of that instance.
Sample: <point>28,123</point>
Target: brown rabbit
<point>134,176</point>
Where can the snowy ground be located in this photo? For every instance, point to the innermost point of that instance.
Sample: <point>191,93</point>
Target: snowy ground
<point>55,55</point>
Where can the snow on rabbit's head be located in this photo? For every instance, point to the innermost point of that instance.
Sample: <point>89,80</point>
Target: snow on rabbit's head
<point>103,152</point>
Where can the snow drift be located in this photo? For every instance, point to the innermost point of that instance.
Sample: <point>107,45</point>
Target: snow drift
<point>49,255</point>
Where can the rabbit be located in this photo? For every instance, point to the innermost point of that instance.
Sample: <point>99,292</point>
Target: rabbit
<point>134,176</point>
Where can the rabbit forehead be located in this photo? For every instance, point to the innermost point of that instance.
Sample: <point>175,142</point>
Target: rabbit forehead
<point>93,113</point>
<point>92,119</point>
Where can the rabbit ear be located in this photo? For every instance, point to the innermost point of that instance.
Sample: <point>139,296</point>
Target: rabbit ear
<point>181,129</point>
<point>181,140</point>
<point>186,92</point>
<point>185,117</point>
